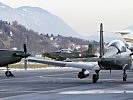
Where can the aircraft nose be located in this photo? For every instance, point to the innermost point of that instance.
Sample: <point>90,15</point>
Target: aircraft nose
<point>26,55</point>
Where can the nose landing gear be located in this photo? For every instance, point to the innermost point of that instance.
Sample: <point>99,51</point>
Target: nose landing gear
<point>8,73</point>
<point>124,76</point>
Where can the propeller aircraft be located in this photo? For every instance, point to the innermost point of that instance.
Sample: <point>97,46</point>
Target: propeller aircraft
<point>116,57</point>
<point>64,54</point>
<point>8,57</point>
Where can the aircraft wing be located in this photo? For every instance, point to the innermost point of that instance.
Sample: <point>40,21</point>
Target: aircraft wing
<point>81,65</point>
<point>128,39</point>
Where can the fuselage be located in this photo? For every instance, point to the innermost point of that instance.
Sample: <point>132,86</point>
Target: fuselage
<point>9,57</point>
<point>117,50</point>
<point>64,55</point>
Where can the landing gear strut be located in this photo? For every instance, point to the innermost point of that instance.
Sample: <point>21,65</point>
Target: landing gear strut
<point>124,76</point>
<point>8,73</point>
<point>95,76</point>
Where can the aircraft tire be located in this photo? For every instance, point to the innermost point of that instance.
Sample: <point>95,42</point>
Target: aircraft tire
<point>124,76</point>
<point>81,75</point>
<point>124,79</point>
<point>94,78</point>
<point>9,74</point>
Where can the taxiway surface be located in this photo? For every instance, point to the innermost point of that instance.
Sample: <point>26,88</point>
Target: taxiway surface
<point>63,84</point>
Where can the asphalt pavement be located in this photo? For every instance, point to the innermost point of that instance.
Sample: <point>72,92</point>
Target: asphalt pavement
<point>63,84</point>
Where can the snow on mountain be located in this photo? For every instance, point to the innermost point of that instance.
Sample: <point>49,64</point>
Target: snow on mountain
<point>4,6</point>
<point>42,21</point>
<point>37,19</point>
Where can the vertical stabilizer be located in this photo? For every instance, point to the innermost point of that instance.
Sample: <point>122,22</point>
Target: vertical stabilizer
<point>91,49</point>
<point>101,41</point>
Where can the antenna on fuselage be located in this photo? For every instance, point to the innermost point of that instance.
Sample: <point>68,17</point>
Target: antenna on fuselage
<point>101,41</point>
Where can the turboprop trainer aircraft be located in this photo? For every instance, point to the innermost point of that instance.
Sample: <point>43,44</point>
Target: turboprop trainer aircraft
<point>64,54</point>
<point>8,57</point>
<point>116,57</point>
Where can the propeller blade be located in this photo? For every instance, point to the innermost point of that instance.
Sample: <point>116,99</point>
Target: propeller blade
<point>25,49</point>
<point>25,56</point>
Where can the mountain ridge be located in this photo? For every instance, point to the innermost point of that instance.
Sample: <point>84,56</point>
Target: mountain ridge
<point>37,19</point>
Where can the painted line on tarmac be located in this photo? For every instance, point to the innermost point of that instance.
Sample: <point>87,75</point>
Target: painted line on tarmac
<point>96,92</point>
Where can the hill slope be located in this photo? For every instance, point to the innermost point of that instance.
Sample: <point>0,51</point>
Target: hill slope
<point>14,35</point>
<point>36,19</point>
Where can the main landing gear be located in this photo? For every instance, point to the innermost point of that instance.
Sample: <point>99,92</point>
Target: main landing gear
<point>95,76</point>
<point>124,76</point>
<point>83,74</point>
<point>8,73</point>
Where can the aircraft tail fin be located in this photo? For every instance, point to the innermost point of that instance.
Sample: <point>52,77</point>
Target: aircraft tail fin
<point>101,41</point>
<point>90,49</point>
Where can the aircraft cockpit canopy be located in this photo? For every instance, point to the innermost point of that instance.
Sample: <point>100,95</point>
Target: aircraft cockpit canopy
<point>65,50</point>
<point>119,45</point>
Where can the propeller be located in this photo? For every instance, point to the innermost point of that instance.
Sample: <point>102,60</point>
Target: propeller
<point>23,54</point>
<point>25,49</point>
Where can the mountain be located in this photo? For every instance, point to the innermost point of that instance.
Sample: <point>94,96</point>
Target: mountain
<point>37,19</point>
<point>129,28</point>
<point>107,37</point>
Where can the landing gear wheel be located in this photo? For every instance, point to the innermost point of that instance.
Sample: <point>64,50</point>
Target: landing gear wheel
<point>94,78</point>
<point>81,75</point>
<point>9,74</point>
<point>97,73</point>
<point>124,76</point>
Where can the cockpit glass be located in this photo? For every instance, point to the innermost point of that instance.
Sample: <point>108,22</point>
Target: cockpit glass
<point>119,45</point>
<point>65,50</point>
